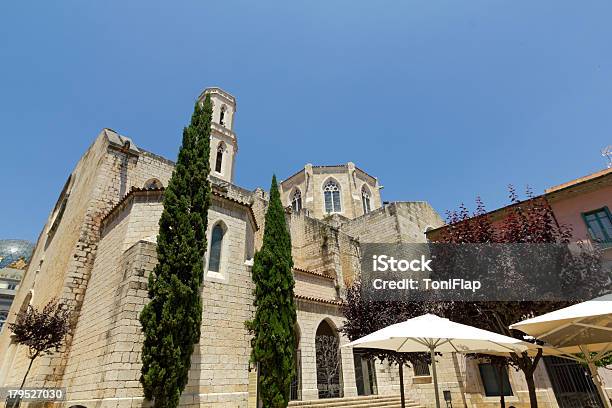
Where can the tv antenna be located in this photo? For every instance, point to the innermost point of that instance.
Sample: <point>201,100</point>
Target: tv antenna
<point>607,153</point>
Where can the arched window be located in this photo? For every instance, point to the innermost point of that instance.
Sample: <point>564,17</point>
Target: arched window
<point>365,199</point>
<point>216,244</point>
<point>219,160</point>
<point>296,200</point>
<point>152,184</point>
<point>222,116</point>
<point>331,193</point>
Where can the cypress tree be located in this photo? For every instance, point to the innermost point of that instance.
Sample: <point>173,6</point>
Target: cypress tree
<point>273,344</point>
<point>172,318</point>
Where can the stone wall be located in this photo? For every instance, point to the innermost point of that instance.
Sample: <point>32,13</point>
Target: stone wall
<point>105,361</point>
<point>220,365</point>
<point>395,222</point>
<point>320,246</point>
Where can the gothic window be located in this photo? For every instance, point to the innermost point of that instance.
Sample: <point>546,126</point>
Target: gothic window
<point>365,199</point>
<point>60,207</point>
<point>219,160</point>
<point>216,244</point>
<point>296,200</point>
<point>331,193</point>
<point>152,184</point>
<point>222,116</point>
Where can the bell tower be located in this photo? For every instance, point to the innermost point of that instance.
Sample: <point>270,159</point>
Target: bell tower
<point>223,141</point>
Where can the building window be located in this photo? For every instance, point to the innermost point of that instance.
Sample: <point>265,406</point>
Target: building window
<point>296,200</point>
<point>331,193</point>
<point>489,375</point>
<point>58,211</point>
<point>3,318</point>
<point>365,374</point>
<point>222,116</point>
<point>216,244</point>
<point>599,224</point>
<point>219,160</point>
<point>365,200</point>
<point>421,369</point>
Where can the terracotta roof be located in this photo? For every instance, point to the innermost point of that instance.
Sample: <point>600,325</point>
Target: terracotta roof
<point>248,205</point>
<point>318,300</point>
<point>144,191</point>
<point>319,274</point>
<point>133,191</point>
<point>590,177</point>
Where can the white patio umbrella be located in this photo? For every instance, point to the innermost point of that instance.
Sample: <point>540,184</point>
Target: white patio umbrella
<point>584,328</point>
<point>430,333</point>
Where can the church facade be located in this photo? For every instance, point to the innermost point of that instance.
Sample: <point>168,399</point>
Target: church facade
<point>98,247</point>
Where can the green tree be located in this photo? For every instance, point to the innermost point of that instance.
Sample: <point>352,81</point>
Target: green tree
<point>273,344</point>
<point>172,318</point>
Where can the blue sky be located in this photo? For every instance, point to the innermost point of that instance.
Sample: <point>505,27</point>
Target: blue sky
<point>441,100</point>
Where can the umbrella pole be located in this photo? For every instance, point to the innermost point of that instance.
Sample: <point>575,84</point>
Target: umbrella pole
<point>596,378</point>
<point>435,375</point>
<point>401,375</point>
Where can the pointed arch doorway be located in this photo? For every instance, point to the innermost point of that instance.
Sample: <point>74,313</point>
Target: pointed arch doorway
<point>329,365</point>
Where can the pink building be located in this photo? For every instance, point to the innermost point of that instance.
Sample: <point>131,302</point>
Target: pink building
<point>584,205</point>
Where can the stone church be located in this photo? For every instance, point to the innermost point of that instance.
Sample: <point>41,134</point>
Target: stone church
<point>98,247</point>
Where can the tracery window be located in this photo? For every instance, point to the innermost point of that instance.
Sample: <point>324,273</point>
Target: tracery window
<point>331,193</point>
<point>365,200</point>
<point>296,200</point>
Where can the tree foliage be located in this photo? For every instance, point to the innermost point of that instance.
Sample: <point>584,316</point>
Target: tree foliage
<point>531,222</point>
<point>273,325</point>
<point>42,332</point>
<point>172,318</point>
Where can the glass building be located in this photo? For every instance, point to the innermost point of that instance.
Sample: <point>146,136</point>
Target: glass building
<point>11,272</point>
<point>12,250</point>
